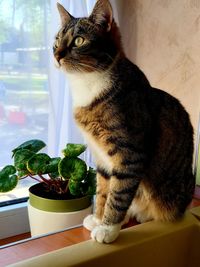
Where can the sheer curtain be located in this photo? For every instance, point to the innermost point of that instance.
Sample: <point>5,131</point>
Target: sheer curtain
<point>62,128</point>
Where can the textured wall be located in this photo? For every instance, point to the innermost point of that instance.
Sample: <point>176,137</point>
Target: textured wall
<point>163,38</point>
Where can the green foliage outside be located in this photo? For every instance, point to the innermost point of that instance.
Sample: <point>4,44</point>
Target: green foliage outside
<point>24,24</point>
<point>20,81</point>
<point>32,15</point>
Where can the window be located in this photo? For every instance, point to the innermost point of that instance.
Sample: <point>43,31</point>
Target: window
<point>35,100</point>
<point>24,86</point>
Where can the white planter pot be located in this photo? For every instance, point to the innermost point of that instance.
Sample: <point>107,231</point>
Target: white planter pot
<point>43,222</point>
<point>50,215</point>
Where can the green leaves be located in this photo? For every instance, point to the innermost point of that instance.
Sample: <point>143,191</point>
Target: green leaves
<point>52,167</point>
<point>27,161</point>
<point>73,150</point>
<point>68,173</point>
<point>72,168</point>
<point>34,145</point>
<point>89,184</point>
<point>8,179</point>
<point>42,164</point>
<point>21,158</point>
<point>85,187</point>
<point>75,188</point>
<point>38,163</point>
<point>91,175</point>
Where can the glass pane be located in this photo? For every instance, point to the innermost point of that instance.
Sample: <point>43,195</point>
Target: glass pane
<point>19,194</point>
<point>23,76</point>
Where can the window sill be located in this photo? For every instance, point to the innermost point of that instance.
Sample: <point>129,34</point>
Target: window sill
<point>18,214</point>
<point>14,213</point>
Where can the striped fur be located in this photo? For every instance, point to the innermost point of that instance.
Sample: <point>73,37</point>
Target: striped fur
<point>141,137</point>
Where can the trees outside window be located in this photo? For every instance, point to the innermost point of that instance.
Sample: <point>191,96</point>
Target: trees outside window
<point>24,87</point>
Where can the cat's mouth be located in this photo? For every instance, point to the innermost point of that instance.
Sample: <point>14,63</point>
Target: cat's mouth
<point>82,64</point>
<point>59,55</point>
<point>72,65</point>
<point>56,63</point>
<point>62,62</point>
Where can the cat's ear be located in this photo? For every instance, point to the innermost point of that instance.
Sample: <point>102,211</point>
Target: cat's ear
<point>65,16</point>
<point>102,14</point>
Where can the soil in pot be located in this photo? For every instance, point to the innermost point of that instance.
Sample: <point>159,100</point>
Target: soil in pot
<point>42,190</point>
<point>41,198</point>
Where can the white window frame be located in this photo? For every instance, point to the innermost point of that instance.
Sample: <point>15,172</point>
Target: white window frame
<point>17,213</point>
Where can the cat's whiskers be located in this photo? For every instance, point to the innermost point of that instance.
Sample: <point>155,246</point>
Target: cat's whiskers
<point>90,67</point>
<point>112,59</point>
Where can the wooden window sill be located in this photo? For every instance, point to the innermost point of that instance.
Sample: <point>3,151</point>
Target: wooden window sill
<point>39,246</point>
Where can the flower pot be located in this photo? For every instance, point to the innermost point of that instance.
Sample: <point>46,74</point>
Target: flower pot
<point>50,215</point>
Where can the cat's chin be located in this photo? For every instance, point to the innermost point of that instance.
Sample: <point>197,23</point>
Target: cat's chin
<point>56,64</point>
<point>67,69</point>
<point>61,65</point>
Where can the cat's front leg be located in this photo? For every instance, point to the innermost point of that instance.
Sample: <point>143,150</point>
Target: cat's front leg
<point>121,193</point>
<point>92,220</point>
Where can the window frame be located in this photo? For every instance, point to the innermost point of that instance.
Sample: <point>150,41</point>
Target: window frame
<point>17,213</point>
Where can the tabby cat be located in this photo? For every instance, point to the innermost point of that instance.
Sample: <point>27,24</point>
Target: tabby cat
<point>141,137</point>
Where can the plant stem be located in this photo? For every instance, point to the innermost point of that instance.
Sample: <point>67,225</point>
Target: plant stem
<point>53,184</point>
<point>34,178</point>
<point>44,179</point>
<point>23,177</point>
<point>67,187</point>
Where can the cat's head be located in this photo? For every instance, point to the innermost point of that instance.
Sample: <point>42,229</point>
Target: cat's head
<point>87,44</point>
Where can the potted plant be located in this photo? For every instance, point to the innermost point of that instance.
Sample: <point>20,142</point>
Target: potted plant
<point>63,196</point>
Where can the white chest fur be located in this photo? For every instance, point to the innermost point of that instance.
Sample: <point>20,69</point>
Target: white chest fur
<point>85,87</point>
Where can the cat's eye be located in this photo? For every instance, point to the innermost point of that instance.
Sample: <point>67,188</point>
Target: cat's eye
<point>79,41</point>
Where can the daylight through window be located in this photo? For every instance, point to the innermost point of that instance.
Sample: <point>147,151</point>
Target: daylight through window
<point>24,31</point>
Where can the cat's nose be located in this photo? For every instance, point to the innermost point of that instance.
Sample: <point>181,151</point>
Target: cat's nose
<point>59,55</point>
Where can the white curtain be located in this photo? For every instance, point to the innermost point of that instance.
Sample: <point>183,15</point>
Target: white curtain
<point>62,128</point>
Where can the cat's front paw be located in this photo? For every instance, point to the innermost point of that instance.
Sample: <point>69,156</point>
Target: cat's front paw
<point>106,233</point>
<point>90,222</point>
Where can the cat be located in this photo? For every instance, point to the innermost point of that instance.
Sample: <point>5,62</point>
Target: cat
<point>141,137</point>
